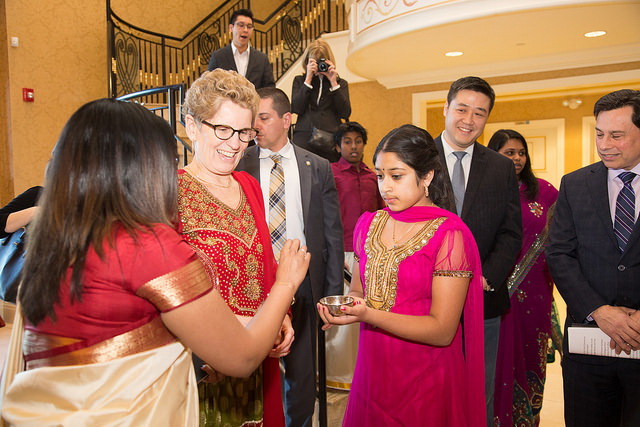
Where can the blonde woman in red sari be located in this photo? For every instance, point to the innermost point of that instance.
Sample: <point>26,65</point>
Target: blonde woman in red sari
<point>222,217</point>
<point>113,297</point>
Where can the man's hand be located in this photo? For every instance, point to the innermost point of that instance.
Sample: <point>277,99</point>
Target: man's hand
<point>622,324</point>
<point>282,346</point>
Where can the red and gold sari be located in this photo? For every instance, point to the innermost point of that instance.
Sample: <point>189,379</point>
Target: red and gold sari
<point>108,358</point>
<point>234,245</point>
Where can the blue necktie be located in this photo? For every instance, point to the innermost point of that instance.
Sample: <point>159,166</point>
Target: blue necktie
<point>625,210</point>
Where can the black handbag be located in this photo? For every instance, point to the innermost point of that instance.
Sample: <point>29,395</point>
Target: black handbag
<point>11,262</point>
<point>321,141</point>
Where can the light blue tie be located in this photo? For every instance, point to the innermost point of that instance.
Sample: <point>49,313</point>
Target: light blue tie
<point>457,180</point>
<point>625,210</point>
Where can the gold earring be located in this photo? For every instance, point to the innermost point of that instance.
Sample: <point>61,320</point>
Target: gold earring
<point>426,191</point>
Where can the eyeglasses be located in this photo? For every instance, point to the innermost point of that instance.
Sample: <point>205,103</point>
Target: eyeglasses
<point>242,25</point>
<point>225,132</point>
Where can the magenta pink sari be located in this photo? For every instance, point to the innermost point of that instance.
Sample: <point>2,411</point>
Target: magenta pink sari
<point>526,328</point>
<point>399,382</point>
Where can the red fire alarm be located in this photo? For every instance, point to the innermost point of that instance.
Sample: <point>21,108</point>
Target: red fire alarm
<point>27,95</point>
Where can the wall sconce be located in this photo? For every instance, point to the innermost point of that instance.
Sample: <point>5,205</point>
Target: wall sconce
<point>572,103</point>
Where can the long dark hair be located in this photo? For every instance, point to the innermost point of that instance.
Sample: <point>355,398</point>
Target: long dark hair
<point>114,165</point>
<point>527,176</point>
<point>415,147</point>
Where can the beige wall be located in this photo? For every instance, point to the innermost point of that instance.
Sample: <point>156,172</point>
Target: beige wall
<point>379,110</point>
<point>62,56</point>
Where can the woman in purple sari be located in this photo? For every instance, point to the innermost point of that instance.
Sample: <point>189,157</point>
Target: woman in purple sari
<point>417,286</point>
<point>526,328</point>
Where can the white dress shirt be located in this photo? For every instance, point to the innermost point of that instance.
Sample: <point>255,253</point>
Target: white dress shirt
<point>292,193</point>
<point>451,159</point>
<point>241,59</point>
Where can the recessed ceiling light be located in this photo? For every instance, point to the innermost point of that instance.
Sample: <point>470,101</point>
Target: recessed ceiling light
<point>453,54</point>
<point>595,33</point>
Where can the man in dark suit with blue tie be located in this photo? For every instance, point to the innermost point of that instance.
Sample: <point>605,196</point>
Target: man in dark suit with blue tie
<point>312,215</point>
<point>594,258</point>
<point>240,56</point>
<point>486,194</point>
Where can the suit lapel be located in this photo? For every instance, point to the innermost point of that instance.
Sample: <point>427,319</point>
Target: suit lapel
<point>232,61</point>
<point>445,171</point>
<point>252,161</point>
<point>304,171</point>
<point>598,188</point>
<point>478,168</point>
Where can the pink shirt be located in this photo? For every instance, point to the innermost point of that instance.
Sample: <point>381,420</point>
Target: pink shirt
<point>357,192</point>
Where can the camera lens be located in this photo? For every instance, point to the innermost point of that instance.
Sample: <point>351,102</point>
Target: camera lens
<point>323,67</point>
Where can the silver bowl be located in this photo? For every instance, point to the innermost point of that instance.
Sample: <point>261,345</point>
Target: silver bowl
<point>334,302</point>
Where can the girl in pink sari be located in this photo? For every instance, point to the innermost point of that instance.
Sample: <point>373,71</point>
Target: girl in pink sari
<point>418,292</point>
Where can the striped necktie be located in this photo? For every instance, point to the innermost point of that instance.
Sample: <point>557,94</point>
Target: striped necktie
<point>625,210</point>
<point>277,209</point>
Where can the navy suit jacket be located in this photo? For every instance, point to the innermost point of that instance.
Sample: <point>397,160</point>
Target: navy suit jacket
<point>583,253</point>
<point>321,215</point>
<point>491,210</point>
<point>259,71</point>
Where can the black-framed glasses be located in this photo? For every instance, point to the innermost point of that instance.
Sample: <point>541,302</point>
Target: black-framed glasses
<point>225,132</point>
<point>242,25</point>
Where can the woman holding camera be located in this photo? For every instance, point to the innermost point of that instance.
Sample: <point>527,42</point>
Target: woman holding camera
<point>320,98</point>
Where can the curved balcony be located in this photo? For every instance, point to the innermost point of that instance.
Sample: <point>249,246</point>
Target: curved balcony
<point>403,42</point>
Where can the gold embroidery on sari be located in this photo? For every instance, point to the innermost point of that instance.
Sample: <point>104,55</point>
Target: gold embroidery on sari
<point>381,270</point>
<point>177,287</point>
<point>149,336</point>
<point>453,273</point>
<point>227,242</point>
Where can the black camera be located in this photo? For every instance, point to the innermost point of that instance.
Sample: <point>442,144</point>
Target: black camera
<point>323,67</point>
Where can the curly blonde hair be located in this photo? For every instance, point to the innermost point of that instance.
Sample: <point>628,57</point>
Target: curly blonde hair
<point>318,49</point>
<point>212,88</point>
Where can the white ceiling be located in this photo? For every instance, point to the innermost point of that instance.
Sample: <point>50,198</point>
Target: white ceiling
<point>496,40</point>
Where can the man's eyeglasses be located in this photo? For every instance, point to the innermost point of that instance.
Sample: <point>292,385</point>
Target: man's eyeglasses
<point>225,132</point>
<point>242,25</point>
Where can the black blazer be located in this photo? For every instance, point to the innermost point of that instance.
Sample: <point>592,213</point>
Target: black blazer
<point>583,254</point>
<point>321,215</point>
<point>326,114</point>
<point>491,210</point>
<point>259,70</point>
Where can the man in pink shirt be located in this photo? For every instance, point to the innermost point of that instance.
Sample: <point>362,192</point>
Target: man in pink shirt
<point>358,193</point>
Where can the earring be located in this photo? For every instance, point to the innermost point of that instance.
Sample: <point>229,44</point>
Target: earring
<point>426,191</point>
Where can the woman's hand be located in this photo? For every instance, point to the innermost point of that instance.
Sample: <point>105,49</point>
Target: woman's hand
<point>282,346</point>
<point>293,265</point>
<point>353,314</point>
<point>312,69</point>
<point>331,73</point>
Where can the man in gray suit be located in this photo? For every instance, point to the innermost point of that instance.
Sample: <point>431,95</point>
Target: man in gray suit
<point>486,194</point>
<point>240,56</point>
<point>594,258</point>
<point>312,215</point>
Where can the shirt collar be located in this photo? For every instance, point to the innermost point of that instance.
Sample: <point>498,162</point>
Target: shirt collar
<point>286,151</point>
<point>613,173</point>
<point>447,150</point>
<point>234,49</point>
<point>343,164</point>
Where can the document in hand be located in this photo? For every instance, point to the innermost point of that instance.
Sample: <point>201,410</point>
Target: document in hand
<point>591,340</point>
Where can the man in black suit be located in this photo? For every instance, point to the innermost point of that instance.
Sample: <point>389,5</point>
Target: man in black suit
<point>240,56</point>
<point>313,216</point>
<point>594,258</point>
<point>487,199</point>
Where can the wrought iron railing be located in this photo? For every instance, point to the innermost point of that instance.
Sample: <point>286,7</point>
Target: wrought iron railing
<point>141,59</point>
<point>171,98</point>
